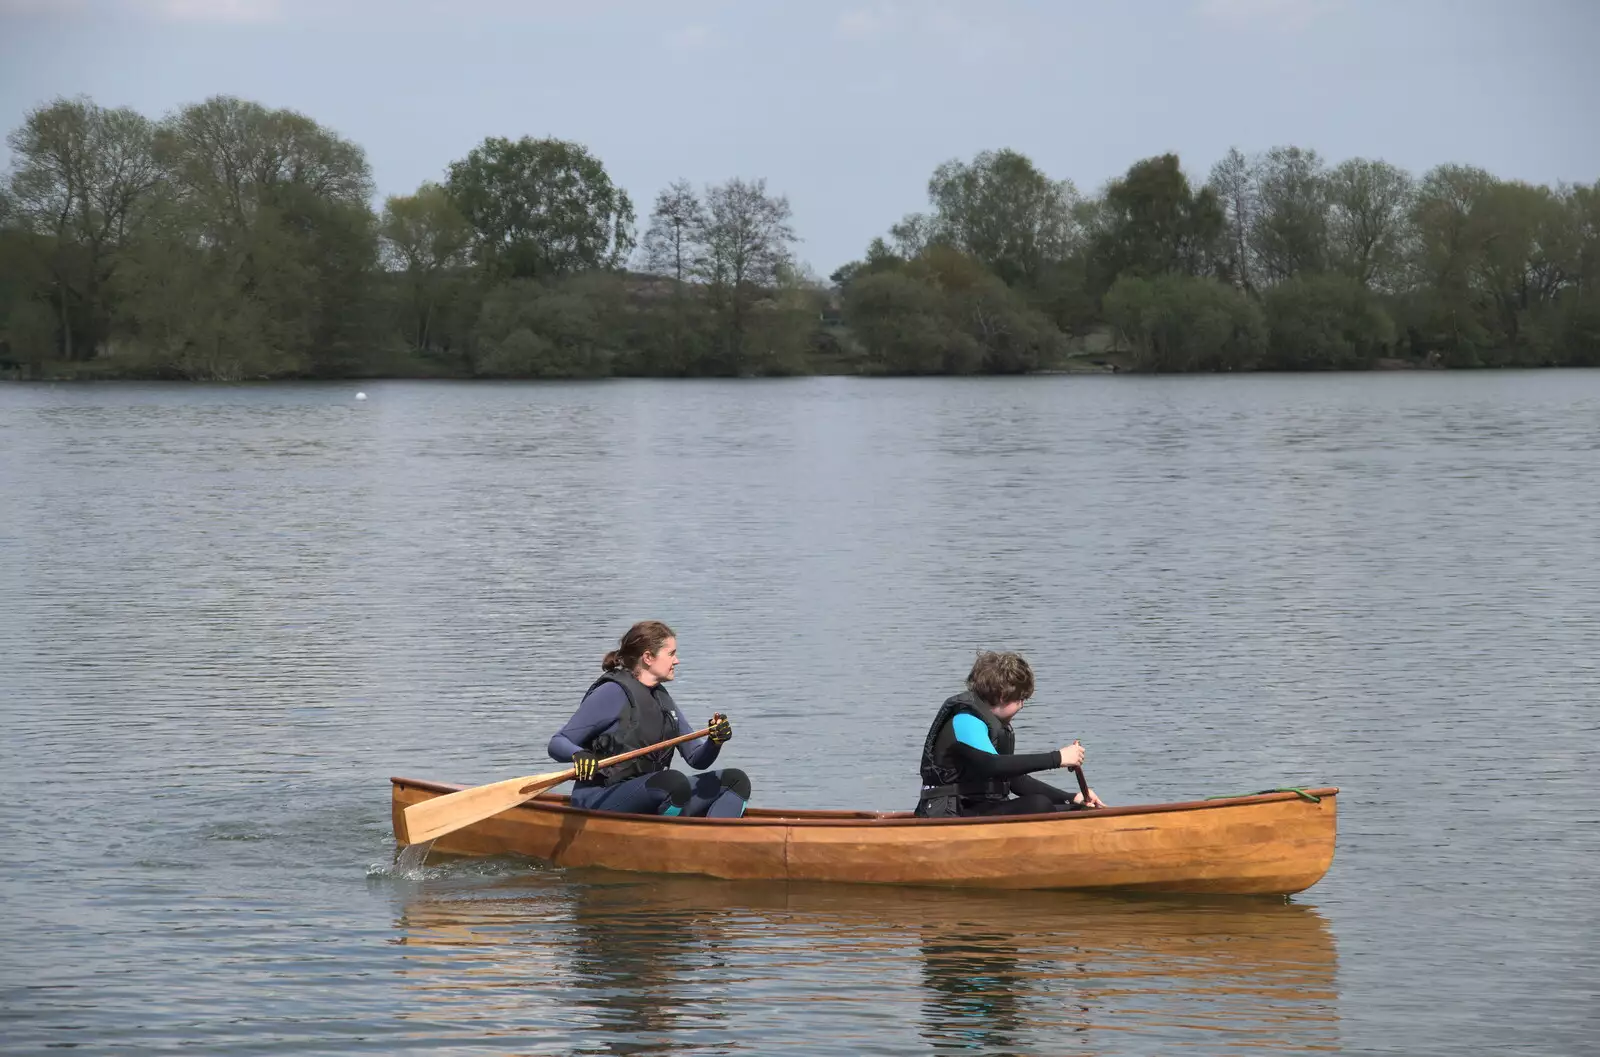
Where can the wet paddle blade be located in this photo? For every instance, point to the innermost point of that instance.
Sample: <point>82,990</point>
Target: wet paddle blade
<point>444,814</point>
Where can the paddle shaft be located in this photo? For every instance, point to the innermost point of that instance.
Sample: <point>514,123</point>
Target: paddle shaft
<point>544,781</point>
<point>1083,783</point>
<point>428,820</point>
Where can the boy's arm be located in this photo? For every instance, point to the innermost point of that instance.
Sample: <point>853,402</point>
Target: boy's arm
<point>1024,784</point>
<point>974,749</point>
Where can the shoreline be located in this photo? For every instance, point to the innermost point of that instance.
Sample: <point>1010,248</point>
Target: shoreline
<point>1395,367</point>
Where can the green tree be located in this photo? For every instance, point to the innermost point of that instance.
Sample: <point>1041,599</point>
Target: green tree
<point>1178,322</point>
<point>1579,322</point>
<point>29,334</point>
<point>1324,322</point>
<point>783,328</point>
<point>945,313</point>
<point>901,322</point>
<point>1369,222</point>
<point>186,310</point>
<point>261,233</point>
<point>530,330</point>
<point>1000,210</point>
<point>1583,205</point>
<point>427,240</point>
<point>1290,234</point>
<point>1007,334</point>
<point>1448,312</point>
<point>28,323</point>
<point>541,208</point>
<point>81,175</point>
<point>913,235</point>
<point>1152,223</point>
<point>880,258</point>
<point>1063,293</point>
<point>1527,251</point>
<point>1580,302</point>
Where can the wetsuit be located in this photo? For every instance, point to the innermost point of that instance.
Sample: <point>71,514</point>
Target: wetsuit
<point>969,768</point>
<point>980,759</point>
<point>659,790</point>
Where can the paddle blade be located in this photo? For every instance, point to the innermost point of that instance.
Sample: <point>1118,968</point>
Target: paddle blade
<point>445,814</point>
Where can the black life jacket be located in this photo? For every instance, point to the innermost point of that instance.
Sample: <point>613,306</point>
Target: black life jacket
<point>650,716</point>
<point>944,785</point>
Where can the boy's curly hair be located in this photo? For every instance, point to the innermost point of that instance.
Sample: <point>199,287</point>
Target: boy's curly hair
<point>1000,677</point>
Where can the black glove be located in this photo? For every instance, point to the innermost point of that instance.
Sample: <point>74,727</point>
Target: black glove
<point>583,761</point>
<point>721,729</point>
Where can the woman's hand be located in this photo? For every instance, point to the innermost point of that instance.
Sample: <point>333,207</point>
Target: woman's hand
<point>584,762</point>
<point>1072,755</point>
<point>721,729</point>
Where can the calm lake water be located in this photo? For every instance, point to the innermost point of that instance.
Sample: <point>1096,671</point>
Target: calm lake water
<point>229,614</point>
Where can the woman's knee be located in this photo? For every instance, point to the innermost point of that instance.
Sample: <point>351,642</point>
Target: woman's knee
<point>672,785</point>
<point>737,781</point>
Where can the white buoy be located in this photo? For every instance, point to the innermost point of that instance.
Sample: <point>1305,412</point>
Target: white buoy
<point>361,396</point>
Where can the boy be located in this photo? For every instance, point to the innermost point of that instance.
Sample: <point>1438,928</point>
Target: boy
<point>968,763</point>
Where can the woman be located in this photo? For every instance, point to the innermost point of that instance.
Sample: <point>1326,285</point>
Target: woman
<point>968,766</point>
<point>628,708</point>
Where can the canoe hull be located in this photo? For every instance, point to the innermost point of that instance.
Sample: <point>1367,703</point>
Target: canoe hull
<point>1270,844</point>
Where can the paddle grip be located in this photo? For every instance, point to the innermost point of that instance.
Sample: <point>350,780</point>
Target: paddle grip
<point>622,757</point>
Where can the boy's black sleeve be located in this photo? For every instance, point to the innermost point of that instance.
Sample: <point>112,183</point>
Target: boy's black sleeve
<point>1024,784</point>
<point>986,765</point>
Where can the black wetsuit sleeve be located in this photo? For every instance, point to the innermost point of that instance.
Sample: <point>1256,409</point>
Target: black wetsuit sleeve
<point>986,765</point>
<point>1022,785</point>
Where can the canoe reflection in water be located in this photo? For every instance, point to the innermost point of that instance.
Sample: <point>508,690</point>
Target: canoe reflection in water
<point>619,963</point>
<point>973,987</point>
<point>630,965</point>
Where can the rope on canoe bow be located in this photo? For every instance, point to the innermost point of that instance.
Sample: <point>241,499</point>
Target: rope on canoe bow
<point>1301,793</point>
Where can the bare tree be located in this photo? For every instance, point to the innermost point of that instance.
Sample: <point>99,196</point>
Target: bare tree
<point>1234,181</point>
<point>677,223</point>
<point>745,247</point>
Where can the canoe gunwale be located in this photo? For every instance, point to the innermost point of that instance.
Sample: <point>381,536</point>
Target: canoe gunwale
<point>760,817</point>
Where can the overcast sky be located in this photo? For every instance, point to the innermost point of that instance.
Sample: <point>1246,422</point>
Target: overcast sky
<point>846,107</point>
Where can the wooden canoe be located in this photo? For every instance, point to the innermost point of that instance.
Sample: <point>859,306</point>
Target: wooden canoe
<point>1269,843</point>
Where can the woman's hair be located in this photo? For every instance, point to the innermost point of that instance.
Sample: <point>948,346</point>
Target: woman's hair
<point>647,636</point>
<point>1000,677</point>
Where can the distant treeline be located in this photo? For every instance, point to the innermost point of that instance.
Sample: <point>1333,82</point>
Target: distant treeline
<point>228,241</point>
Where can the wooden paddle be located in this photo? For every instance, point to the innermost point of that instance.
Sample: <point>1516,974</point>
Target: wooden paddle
<point>1083,783</point>
<point>443,814</point>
